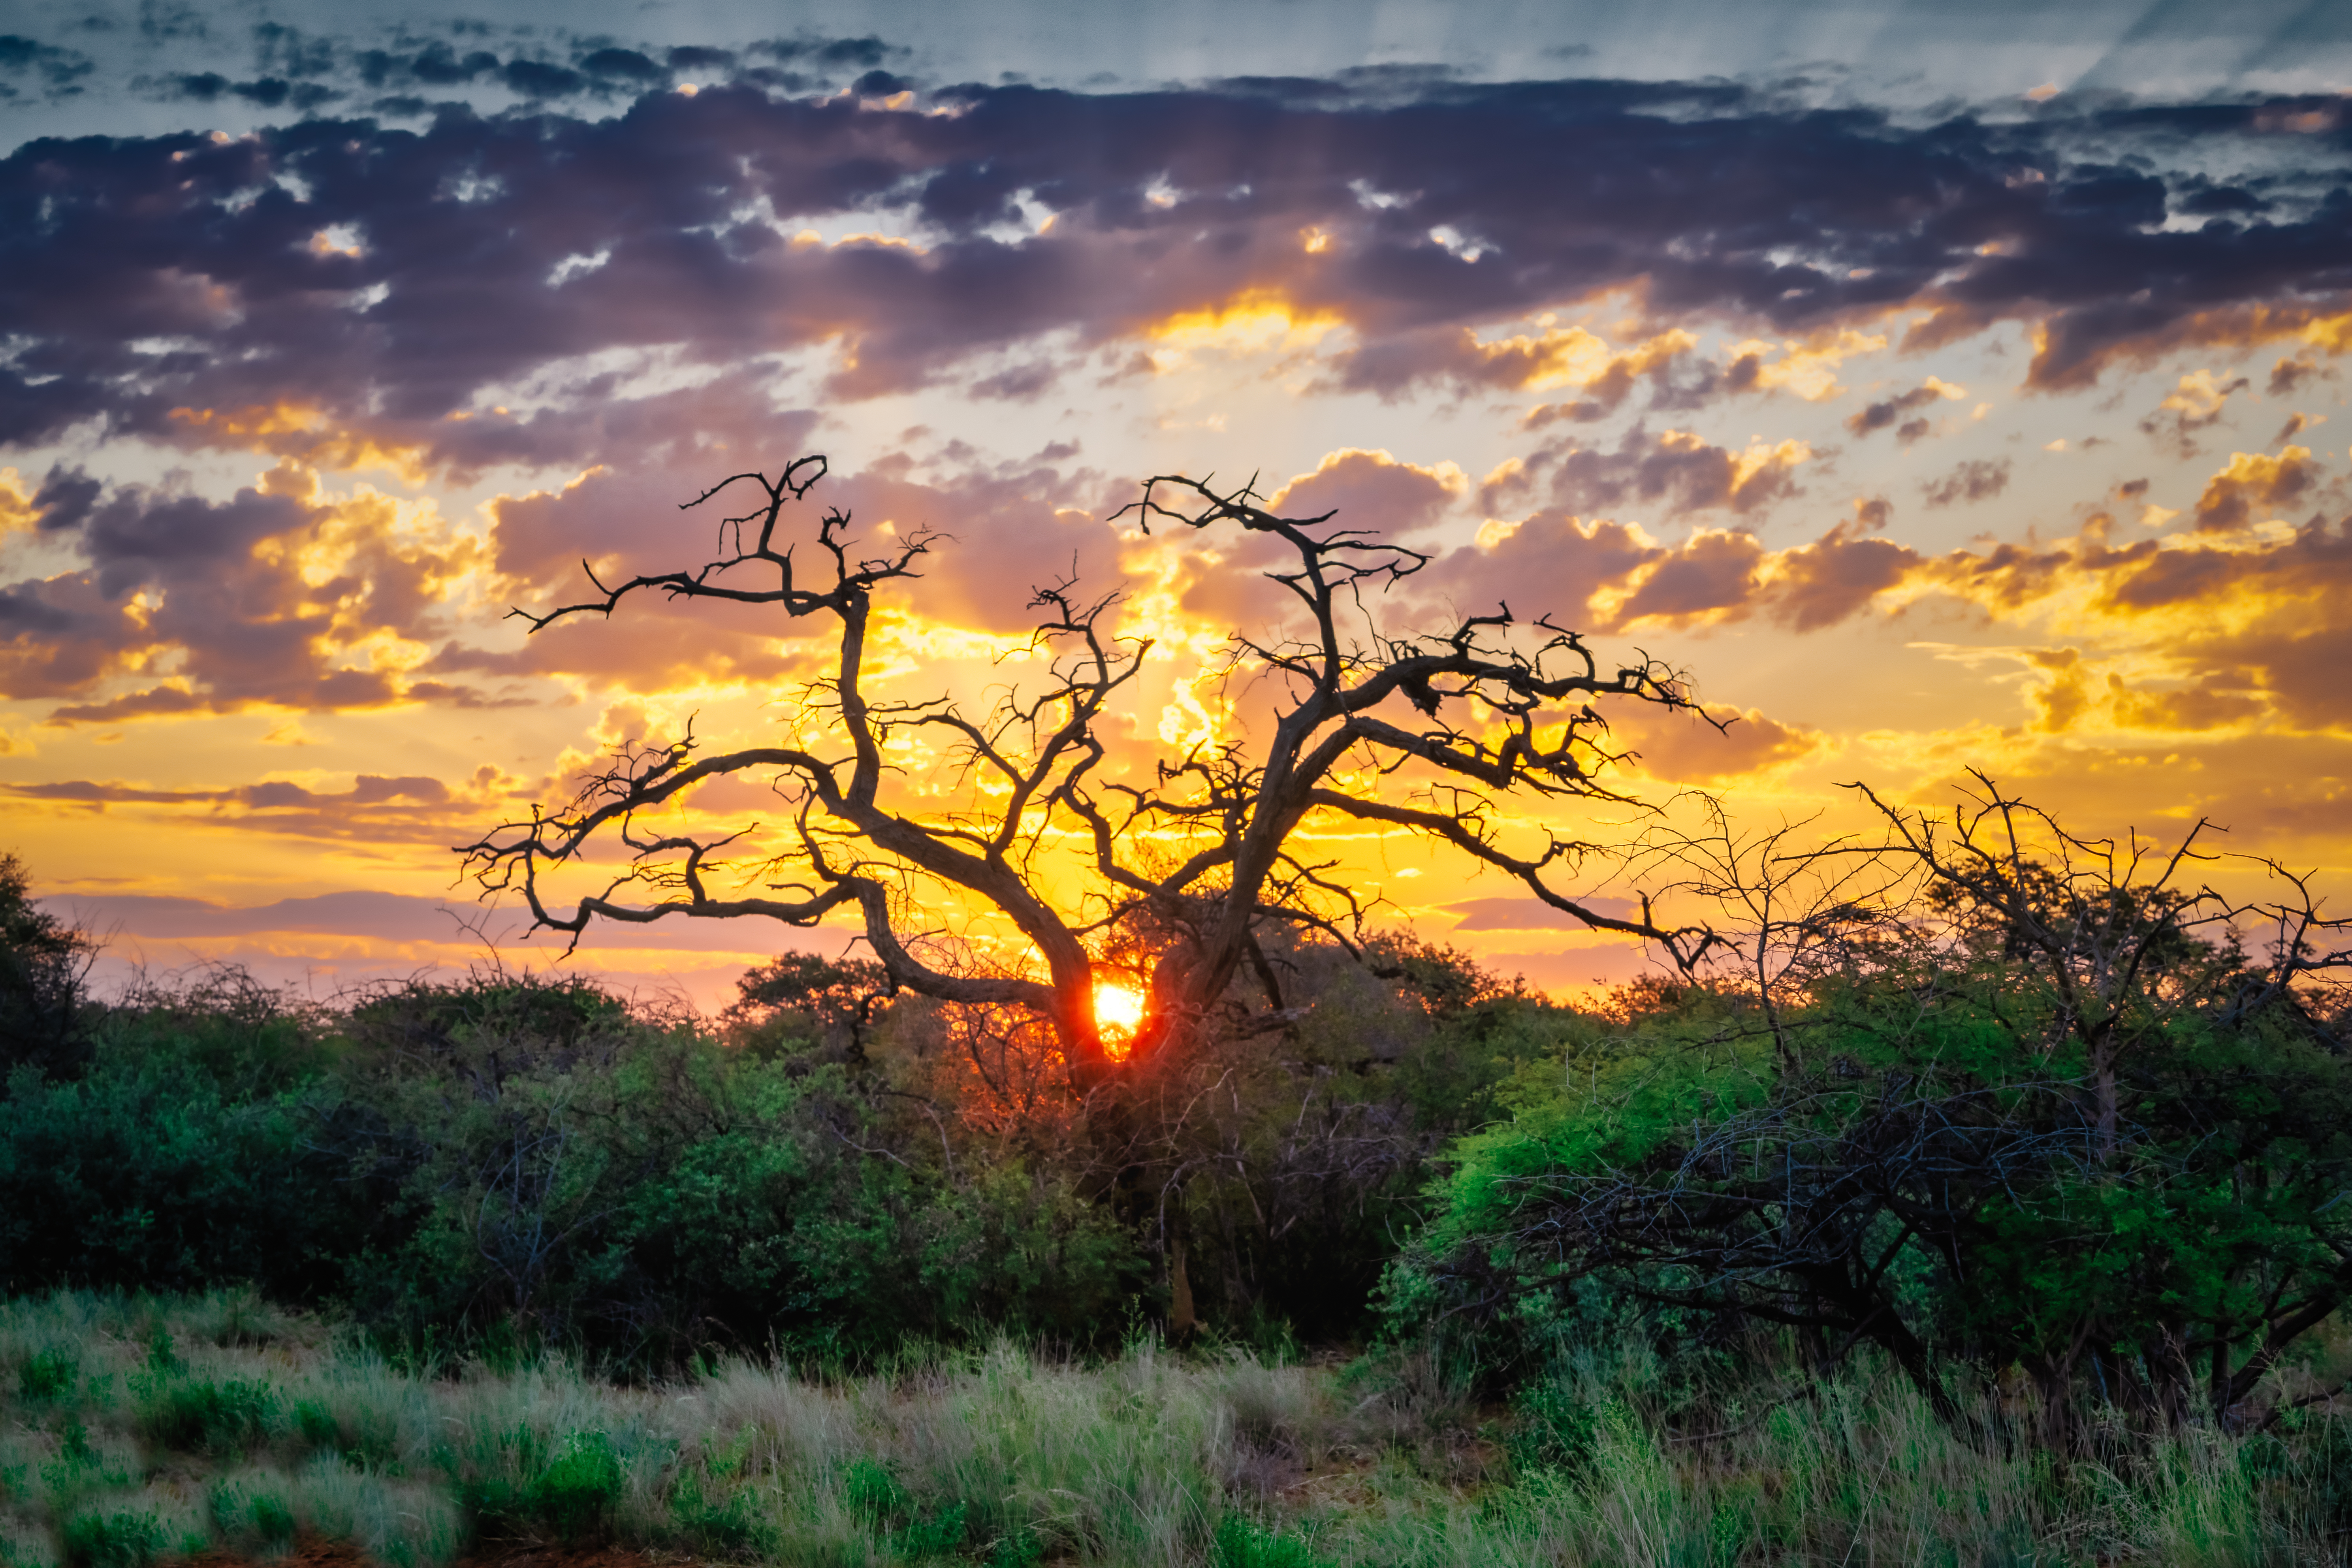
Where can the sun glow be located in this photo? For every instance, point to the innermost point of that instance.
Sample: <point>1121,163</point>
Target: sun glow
<point>1118,1007</point>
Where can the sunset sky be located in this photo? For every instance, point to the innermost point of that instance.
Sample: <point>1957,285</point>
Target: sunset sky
<point>1942,386</point>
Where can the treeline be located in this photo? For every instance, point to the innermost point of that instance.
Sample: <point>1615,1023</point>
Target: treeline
<point>2049,1139</point>
<point>823,1170</point>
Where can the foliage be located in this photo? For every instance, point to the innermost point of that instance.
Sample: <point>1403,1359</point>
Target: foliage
<point>532,1160</point>
<point>186,1154</point>
<point>2002,1112</point>
<point>43,962</point>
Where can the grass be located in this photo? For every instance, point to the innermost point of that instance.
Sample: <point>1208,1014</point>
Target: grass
<point>134,1430</point>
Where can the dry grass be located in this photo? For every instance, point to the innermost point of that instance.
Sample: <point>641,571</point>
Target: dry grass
<point>133,1429</point>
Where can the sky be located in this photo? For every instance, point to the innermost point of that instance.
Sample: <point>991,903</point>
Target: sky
<point>1941,387</point>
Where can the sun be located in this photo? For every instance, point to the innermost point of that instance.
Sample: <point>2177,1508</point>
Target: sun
<point>1118,1007</point>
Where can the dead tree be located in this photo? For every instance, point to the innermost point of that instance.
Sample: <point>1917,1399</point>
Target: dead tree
<point>1204,848</point>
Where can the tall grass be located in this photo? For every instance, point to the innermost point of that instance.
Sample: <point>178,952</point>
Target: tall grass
<point>135,1429</point>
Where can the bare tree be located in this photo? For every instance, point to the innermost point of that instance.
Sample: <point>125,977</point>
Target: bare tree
<point>1202,849</point>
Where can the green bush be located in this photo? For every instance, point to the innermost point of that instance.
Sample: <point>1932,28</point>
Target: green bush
<point>225,1418</point>
<point>568,1488</point>
<point>124,1538</point>
<point>714,1520</point>
<point>251,1517</point>
<point>574,1495</point>
<point>50,1374</point>
<point>1240,1543</point>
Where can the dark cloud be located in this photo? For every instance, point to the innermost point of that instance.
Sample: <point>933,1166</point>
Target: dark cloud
<point>66,499</point>
<point>266,92</point>
<point>1978,479</point>
<point>624,65</point>
<point>339,291</point>
<point>29,64</point>
<point>1886,411</point>
<point>1675,473</point>
<point>1440,208</point>
<point>865,53</point>
<point>2290,373</point>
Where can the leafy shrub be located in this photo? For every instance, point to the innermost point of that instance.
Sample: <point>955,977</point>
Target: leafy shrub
<point>574,1495</point>
<point>569,1492</point>
<point>937,1536</point>
<point>873,1492</point>
<point>250,1517</point>
<point>124,1538</point>
<point>1239,1543</point>
<point>49,1374</point>
<point>714,1520</point>
<point>1556,1430</point>
<point>79,1471</point>
<point>1021,1549</point>
<point>229,1417</point>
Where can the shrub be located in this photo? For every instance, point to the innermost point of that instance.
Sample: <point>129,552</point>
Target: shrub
<point>124,1538</point>
<point>229,1417</point>
<point>251,1517</point>
<point>569,1492</point>
<point>50,1374</point>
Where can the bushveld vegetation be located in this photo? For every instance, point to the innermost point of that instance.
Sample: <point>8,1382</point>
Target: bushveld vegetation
<point>1973,1205</point>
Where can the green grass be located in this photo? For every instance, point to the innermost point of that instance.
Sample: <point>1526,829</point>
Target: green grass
<point>134,1430</point>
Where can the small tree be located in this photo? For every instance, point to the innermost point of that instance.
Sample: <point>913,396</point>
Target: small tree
<point>43,962</point>
<point>1982,1090</point>
<point>1177,867</point>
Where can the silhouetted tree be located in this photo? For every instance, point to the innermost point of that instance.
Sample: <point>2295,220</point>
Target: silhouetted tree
<point>1170,874</point>
<point>1428,733</point>
<point>43,962</point>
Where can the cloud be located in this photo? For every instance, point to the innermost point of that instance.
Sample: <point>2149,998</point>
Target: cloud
<point>1880,414</point>
<point>1713,575</point>
<point>2228,626</point>
<point>1550,564</point>
<point>1534,914</point>
<point>413,810</point>
<point>280,595</point>
<point>1838,575</point>
<point>379,917</point>
<point>1810,227</point>
<point>1978,479</point>
<point>2195,404</point>
<point>1522,362</point>
<point>2255,482</point>
<point>1372,490</point>
<point>1677,749</point>
<point>29,66</point>
<point>1608,576</point>
<point>1675,473</point>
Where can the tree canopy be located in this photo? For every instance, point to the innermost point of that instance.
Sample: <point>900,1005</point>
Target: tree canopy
<point>1171,868</point>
